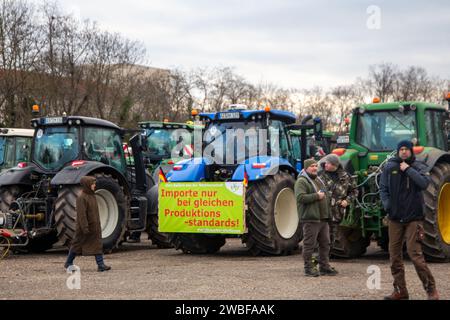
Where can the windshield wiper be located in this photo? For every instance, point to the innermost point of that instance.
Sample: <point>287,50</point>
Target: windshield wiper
<point>400,121</point>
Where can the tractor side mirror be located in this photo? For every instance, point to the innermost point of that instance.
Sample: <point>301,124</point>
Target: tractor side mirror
<point>318,130</point>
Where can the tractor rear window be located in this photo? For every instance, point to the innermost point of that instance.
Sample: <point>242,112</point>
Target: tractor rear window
<point>435,129</point>
<point>55,146</point>
<point>381,131</point>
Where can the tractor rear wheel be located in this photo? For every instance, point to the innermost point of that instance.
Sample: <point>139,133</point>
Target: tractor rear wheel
<point>436,245</point>
<point>349,243</point>
<point>112,206</point>
<point>273,224</point>
<point>197,243</point>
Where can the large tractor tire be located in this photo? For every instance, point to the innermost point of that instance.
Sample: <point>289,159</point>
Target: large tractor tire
<point>436,245</point>
<point>161,240</point>
<point>36,245</point>
<point>112,205</point>
<point>349,243</point>
<point>273,224</point>
<point>197,243</point>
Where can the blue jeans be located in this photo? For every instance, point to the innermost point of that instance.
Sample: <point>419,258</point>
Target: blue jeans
<point>72,255</point>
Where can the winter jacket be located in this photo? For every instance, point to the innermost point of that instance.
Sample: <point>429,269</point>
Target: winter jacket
<point>309,207</point>
<point>340,186</point>
<point>401,192</point>
<point>88,232</point>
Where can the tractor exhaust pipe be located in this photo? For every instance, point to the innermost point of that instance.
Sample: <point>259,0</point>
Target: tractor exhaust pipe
<point>137,143</point>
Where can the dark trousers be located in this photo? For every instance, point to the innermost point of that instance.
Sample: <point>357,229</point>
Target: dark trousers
<point>333,231</point>
<point>399,233</point>
<point>72,255</point>
<point>316,233</point>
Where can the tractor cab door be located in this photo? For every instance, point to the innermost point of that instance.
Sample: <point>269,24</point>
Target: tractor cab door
<point>296,151</point>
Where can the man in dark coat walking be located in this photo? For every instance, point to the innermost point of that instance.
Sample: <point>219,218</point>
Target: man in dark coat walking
<point>88,232</point>
<point>401,185</point>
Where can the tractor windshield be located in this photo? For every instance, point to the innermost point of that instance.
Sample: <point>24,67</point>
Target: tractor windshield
<point>163,141</point>
<point>233,142</point>
<point>382,130</point>
<point>55,146</point>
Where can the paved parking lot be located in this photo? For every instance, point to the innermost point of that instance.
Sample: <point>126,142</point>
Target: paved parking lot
<point>140,271</point>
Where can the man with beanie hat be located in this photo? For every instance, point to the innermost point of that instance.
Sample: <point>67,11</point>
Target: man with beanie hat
<point>342,190</point>
<point>402,181</point>
<point>314,213</point>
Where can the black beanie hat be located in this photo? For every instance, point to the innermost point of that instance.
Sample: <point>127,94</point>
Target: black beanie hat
<point>405,143</point>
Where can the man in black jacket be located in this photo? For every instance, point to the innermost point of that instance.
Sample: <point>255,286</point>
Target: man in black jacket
<point>402,182</point>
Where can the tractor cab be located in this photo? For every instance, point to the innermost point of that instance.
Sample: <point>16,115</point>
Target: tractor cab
<point>64,141</point>
<point>239,136</point>
<point>15,147</point>
<point>377,128</point>
<point>167,141</point>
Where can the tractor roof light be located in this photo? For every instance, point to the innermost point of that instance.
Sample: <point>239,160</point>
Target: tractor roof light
<point>35,109</point>
<point>376,100</point>
<point>401,108</point>
<point>339,151</point>
<point>448,96</point>
<point>194,112</point>
<point>267,109</point>
<point>361,111</point>
<point>413,107</point>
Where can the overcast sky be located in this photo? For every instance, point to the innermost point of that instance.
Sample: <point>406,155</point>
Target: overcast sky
<point>289,42</point>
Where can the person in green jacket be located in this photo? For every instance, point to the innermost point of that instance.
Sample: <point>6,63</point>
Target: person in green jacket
<point>314,212</point>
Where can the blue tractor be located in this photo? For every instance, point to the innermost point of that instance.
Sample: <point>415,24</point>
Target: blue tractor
<point>269,158</point>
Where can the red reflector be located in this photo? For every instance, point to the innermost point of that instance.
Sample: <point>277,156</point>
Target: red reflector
<point>339,151</point>
<point>418,150</point>
<point>258,165</point>
<point>22,164</point>
<point>178,168</point>
<point>171,162</point>
<point>78,163</point>
<point>5,233</point>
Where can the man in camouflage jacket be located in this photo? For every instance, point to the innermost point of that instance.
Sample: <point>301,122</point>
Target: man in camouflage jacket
<point>341,188</point>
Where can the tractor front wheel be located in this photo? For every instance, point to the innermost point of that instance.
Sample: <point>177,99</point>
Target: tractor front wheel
<point>273,224</point>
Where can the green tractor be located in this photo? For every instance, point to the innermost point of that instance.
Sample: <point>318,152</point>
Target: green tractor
<point>374,133</point>
<point>167,143</point>
<point>15,147</point>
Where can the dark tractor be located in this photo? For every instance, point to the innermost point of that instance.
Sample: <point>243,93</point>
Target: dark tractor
<point>37,200</point>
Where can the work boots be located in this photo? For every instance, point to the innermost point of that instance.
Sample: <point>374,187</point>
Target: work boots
<point>433,295</point>
<point>311,270</point>
<point>398,294</point>
<point>330,271</point>
<point>103,267</point>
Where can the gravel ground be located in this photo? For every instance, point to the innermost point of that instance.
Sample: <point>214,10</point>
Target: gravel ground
<point>140,271</point>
